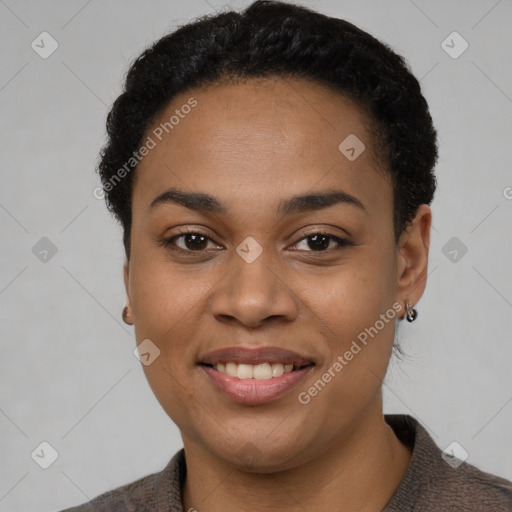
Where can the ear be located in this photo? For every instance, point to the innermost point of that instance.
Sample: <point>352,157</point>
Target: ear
<point>412,257</point>
<point>126,277</point>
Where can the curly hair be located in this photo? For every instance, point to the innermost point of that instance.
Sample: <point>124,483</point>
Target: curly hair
<point>277,39</point>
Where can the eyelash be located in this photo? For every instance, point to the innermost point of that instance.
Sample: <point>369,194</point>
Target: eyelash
<point>168,242</point>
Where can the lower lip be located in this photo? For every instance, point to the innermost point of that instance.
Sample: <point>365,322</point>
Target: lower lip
<point>256,391</point>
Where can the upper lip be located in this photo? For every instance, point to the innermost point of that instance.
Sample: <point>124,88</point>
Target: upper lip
<point>257,355</point>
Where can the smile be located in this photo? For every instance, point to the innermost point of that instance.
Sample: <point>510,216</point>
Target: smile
<point>257,375</point>
<point>262,371</point>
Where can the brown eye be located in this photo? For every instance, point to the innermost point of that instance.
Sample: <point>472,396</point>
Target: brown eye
<point>189,242</point>
<point>194,241</point>
<point>321,242</point>
<point>318,242</point>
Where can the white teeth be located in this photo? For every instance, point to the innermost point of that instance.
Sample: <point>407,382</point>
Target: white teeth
<point>244,371</point>
<point>277,370</point>
<point>262,371</point>
<point>231,369</point>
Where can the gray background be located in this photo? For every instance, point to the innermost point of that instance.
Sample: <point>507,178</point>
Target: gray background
<point>68,375</point>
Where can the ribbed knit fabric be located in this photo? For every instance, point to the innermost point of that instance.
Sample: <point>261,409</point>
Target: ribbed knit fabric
<point>429,484</point>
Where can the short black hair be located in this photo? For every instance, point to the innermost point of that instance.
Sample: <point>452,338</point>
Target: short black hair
<point>277,39</point>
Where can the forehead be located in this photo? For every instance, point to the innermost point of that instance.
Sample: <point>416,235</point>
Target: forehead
<point>262,138</point>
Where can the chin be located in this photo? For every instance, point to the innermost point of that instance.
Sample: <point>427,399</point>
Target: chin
<point>259,455</point>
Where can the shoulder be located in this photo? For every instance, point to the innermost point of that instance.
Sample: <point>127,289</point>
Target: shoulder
<point>147,494</point>
<point>435,481</point>
<point>468,488</point>
<point>128,497</point>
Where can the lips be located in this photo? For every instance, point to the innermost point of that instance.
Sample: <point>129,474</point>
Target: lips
<point>255,389</point>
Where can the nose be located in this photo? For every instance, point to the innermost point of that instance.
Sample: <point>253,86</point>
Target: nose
<point>254,293</point>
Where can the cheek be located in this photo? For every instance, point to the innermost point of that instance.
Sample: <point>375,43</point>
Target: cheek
<point>167,302</point>
<point>166,305</point>
<point>351,297</point>
<point>359,344</point>
<point>161,292</point>
<point>353,310</point>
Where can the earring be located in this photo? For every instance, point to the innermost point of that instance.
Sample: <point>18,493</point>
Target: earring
<point>410,313</point>
<point>125,316</point>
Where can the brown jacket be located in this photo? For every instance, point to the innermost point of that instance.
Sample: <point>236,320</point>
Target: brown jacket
<point>429,484</point>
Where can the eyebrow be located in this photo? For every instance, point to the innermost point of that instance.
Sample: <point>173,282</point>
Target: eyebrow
<point>202,202</point>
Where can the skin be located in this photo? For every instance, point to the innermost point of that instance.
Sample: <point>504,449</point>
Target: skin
<point>251,145</point>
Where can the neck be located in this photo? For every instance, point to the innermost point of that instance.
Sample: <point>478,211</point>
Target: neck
<point>360,471</point>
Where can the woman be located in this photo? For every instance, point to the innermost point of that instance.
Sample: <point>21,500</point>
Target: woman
<point>272,171</point>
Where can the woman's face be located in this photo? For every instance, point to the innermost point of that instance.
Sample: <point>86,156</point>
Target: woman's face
<point>255,274</point>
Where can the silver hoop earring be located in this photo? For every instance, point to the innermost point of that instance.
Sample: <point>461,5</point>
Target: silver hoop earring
<point>410,313</point>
